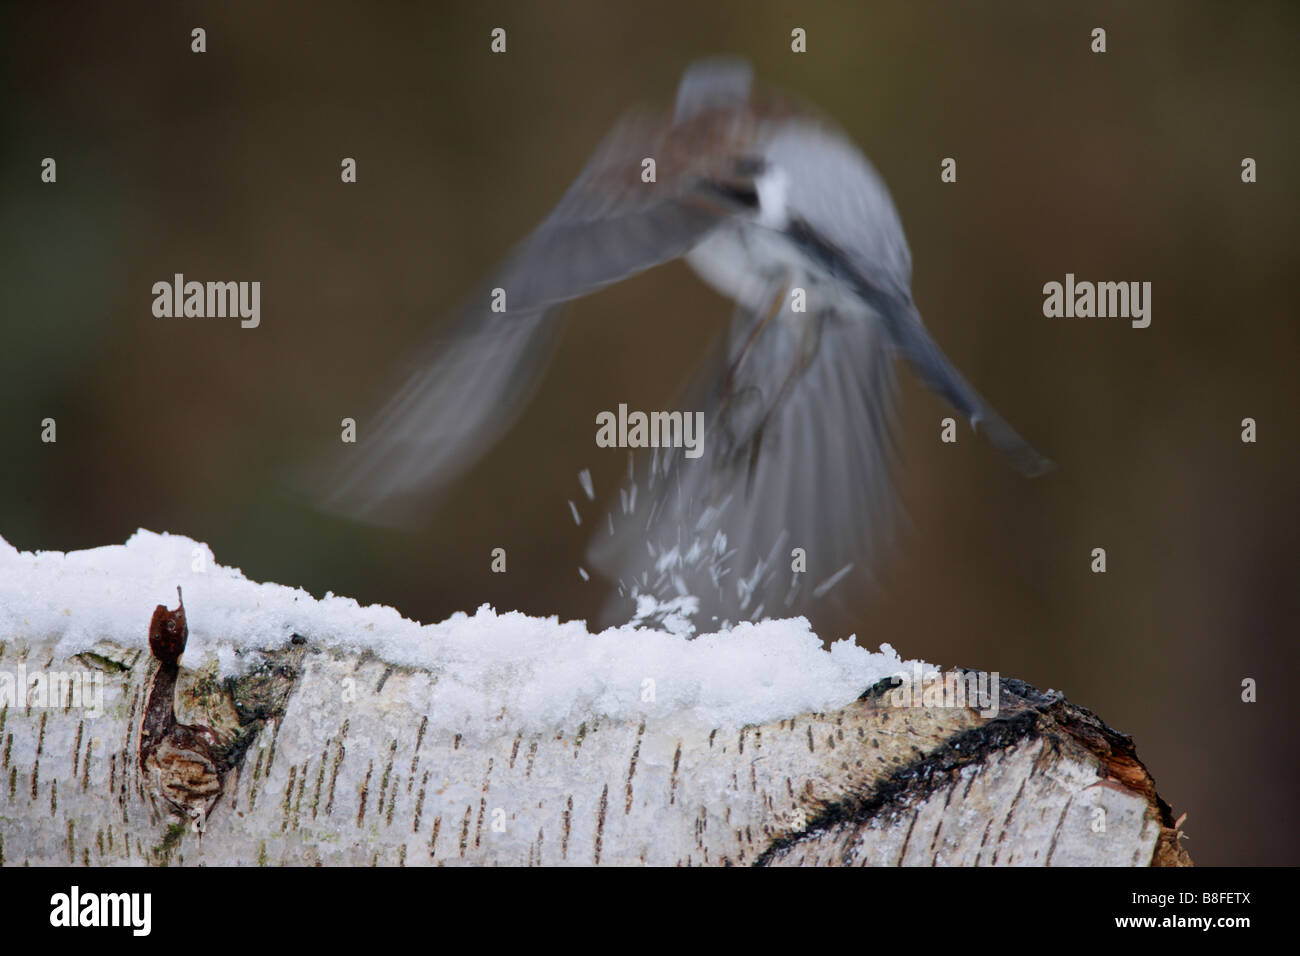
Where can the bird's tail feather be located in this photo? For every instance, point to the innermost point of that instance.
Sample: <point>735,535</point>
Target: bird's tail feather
<point>929,363</point>
<point>806,467</point>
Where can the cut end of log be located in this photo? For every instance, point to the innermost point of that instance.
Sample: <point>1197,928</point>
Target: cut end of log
<point>1046,781</point>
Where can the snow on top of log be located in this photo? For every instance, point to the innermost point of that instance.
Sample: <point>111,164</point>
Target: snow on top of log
<point>544,672</point>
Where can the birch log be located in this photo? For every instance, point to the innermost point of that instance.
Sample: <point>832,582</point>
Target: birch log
<point>285,775</point>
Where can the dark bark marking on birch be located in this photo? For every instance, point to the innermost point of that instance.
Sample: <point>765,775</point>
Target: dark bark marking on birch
<point>631,769</point>
<point>288,799</point>
<point>415,756</point>
<point>419,805</point>
<point>532,755</point>
<point>85,764</point>
<point>1056,834</point>
<point>567,816</point>
<point>320,779</point>
<point>672,787</point>
<point>76,746</point>
<point>383,781</point>
<point>338,763</point>
<point>934,842</point>
<point>392,801</point>
<point>600,821</point>
<point>464,830</point>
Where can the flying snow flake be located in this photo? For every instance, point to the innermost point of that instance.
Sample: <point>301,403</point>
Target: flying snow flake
<point>833,580</point>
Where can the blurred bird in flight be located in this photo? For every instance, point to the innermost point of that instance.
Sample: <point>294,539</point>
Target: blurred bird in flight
<point>762,197</point>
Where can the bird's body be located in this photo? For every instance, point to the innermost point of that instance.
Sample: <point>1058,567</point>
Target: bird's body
<point>766,201</point>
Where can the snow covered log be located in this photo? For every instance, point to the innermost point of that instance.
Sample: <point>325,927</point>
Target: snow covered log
<point>298,731</point>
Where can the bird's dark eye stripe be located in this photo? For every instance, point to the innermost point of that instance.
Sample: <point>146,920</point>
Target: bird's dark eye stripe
<point>741,194</point>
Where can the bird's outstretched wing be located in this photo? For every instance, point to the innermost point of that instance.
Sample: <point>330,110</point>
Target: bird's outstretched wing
<point>467,386</point>
<point>459,395</point>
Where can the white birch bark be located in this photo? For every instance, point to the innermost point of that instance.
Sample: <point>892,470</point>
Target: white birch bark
<point>343,768</point>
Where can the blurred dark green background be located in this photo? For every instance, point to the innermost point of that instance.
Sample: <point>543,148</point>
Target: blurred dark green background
<point>1124,166</point>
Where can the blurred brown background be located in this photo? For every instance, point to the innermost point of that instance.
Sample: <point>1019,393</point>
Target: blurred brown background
<point>1124,166</point>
